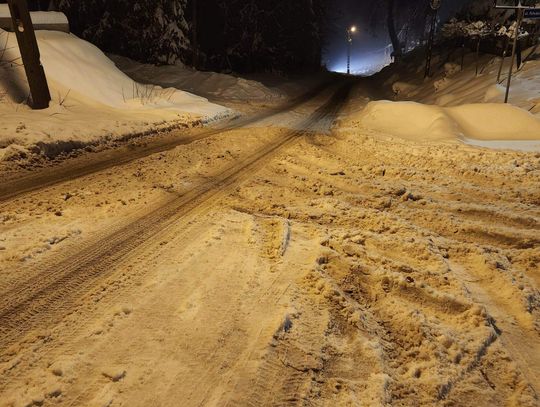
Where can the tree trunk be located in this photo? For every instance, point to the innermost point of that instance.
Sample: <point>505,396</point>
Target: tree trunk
<point>478,53</point>
<point>194,34</point>
<point>506,40</point>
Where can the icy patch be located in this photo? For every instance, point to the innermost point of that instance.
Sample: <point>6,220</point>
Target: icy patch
<point>517,145</point>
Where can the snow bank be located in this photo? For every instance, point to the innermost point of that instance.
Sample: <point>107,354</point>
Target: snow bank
<point>491,121</point>
<point>408,120</point>
<point>92,98</point>
<point>451,86</point>
<point>76,65</point>
<point>209,84</point>
<point>420,122</point>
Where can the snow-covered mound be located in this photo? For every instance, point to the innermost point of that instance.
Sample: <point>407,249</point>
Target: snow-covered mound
<point>495,121</point>
<point>421,122</point>
<point>92,98</point>
<point>452,86</point>
<point>76,65</point>
<point>210,84</point>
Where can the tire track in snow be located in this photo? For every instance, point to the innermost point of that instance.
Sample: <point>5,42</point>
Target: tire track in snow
<point>44,298</point>
<point>35,182</point>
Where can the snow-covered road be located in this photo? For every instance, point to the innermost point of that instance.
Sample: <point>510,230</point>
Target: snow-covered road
<point>274,263</point>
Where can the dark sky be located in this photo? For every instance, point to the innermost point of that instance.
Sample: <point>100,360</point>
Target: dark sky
<point>371,47</point>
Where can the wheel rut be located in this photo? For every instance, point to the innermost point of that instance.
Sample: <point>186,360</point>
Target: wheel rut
<point>41,300</point>
<point>10,190</point>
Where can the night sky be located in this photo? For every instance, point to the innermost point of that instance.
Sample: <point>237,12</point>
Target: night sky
<point>371,47</point>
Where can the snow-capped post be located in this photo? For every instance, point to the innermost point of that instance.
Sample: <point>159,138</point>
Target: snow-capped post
<point>26,38</point>
<point>435,6</point>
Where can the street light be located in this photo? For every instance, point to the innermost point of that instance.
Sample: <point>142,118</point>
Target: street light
<point>350,32</point>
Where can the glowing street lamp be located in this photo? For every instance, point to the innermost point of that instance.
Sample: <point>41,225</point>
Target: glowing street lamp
<point>350,32</point>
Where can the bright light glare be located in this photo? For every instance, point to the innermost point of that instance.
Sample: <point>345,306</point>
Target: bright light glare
<point>363,62</point>
<point>353,29</point>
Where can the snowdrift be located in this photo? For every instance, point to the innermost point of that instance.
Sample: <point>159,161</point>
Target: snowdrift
<point>452,86</point>
<point>208,84</point>
<point>420,122</point>
<point>76,65</point>
<point>92,98</point>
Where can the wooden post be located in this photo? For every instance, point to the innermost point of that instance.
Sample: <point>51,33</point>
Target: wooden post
<point>26,38</point>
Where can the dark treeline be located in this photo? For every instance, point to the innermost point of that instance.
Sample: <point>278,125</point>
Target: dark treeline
<point>254,35</point>
<point>225,35</point>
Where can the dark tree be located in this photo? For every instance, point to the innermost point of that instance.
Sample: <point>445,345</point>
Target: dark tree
<point>147,30</point>
<point>276,35</point>
<point>233,35</point>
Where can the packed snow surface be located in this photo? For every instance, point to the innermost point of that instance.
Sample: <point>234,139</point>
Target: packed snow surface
<point>344,269</point>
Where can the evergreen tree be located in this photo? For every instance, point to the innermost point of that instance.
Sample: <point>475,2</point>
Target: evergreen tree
<point>233,35</point>
<point>147,30</point>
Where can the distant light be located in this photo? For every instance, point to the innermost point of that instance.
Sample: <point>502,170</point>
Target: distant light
<point>353,29</point>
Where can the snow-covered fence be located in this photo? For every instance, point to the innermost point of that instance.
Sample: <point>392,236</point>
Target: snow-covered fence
<point>42,20</point>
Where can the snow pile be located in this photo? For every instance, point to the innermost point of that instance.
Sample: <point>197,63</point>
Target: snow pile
<point>452,86</point>
<point>460,103</point>
<point>420,122</point>
<point>408,120</point>
<point>92,98</point>
<point>73,64</point>
<point>208,84</point>
<point>491,121</point>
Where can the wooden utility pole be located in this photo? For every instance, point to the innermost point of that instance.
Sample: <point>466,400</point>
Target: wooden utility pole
<point>26,38</point>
